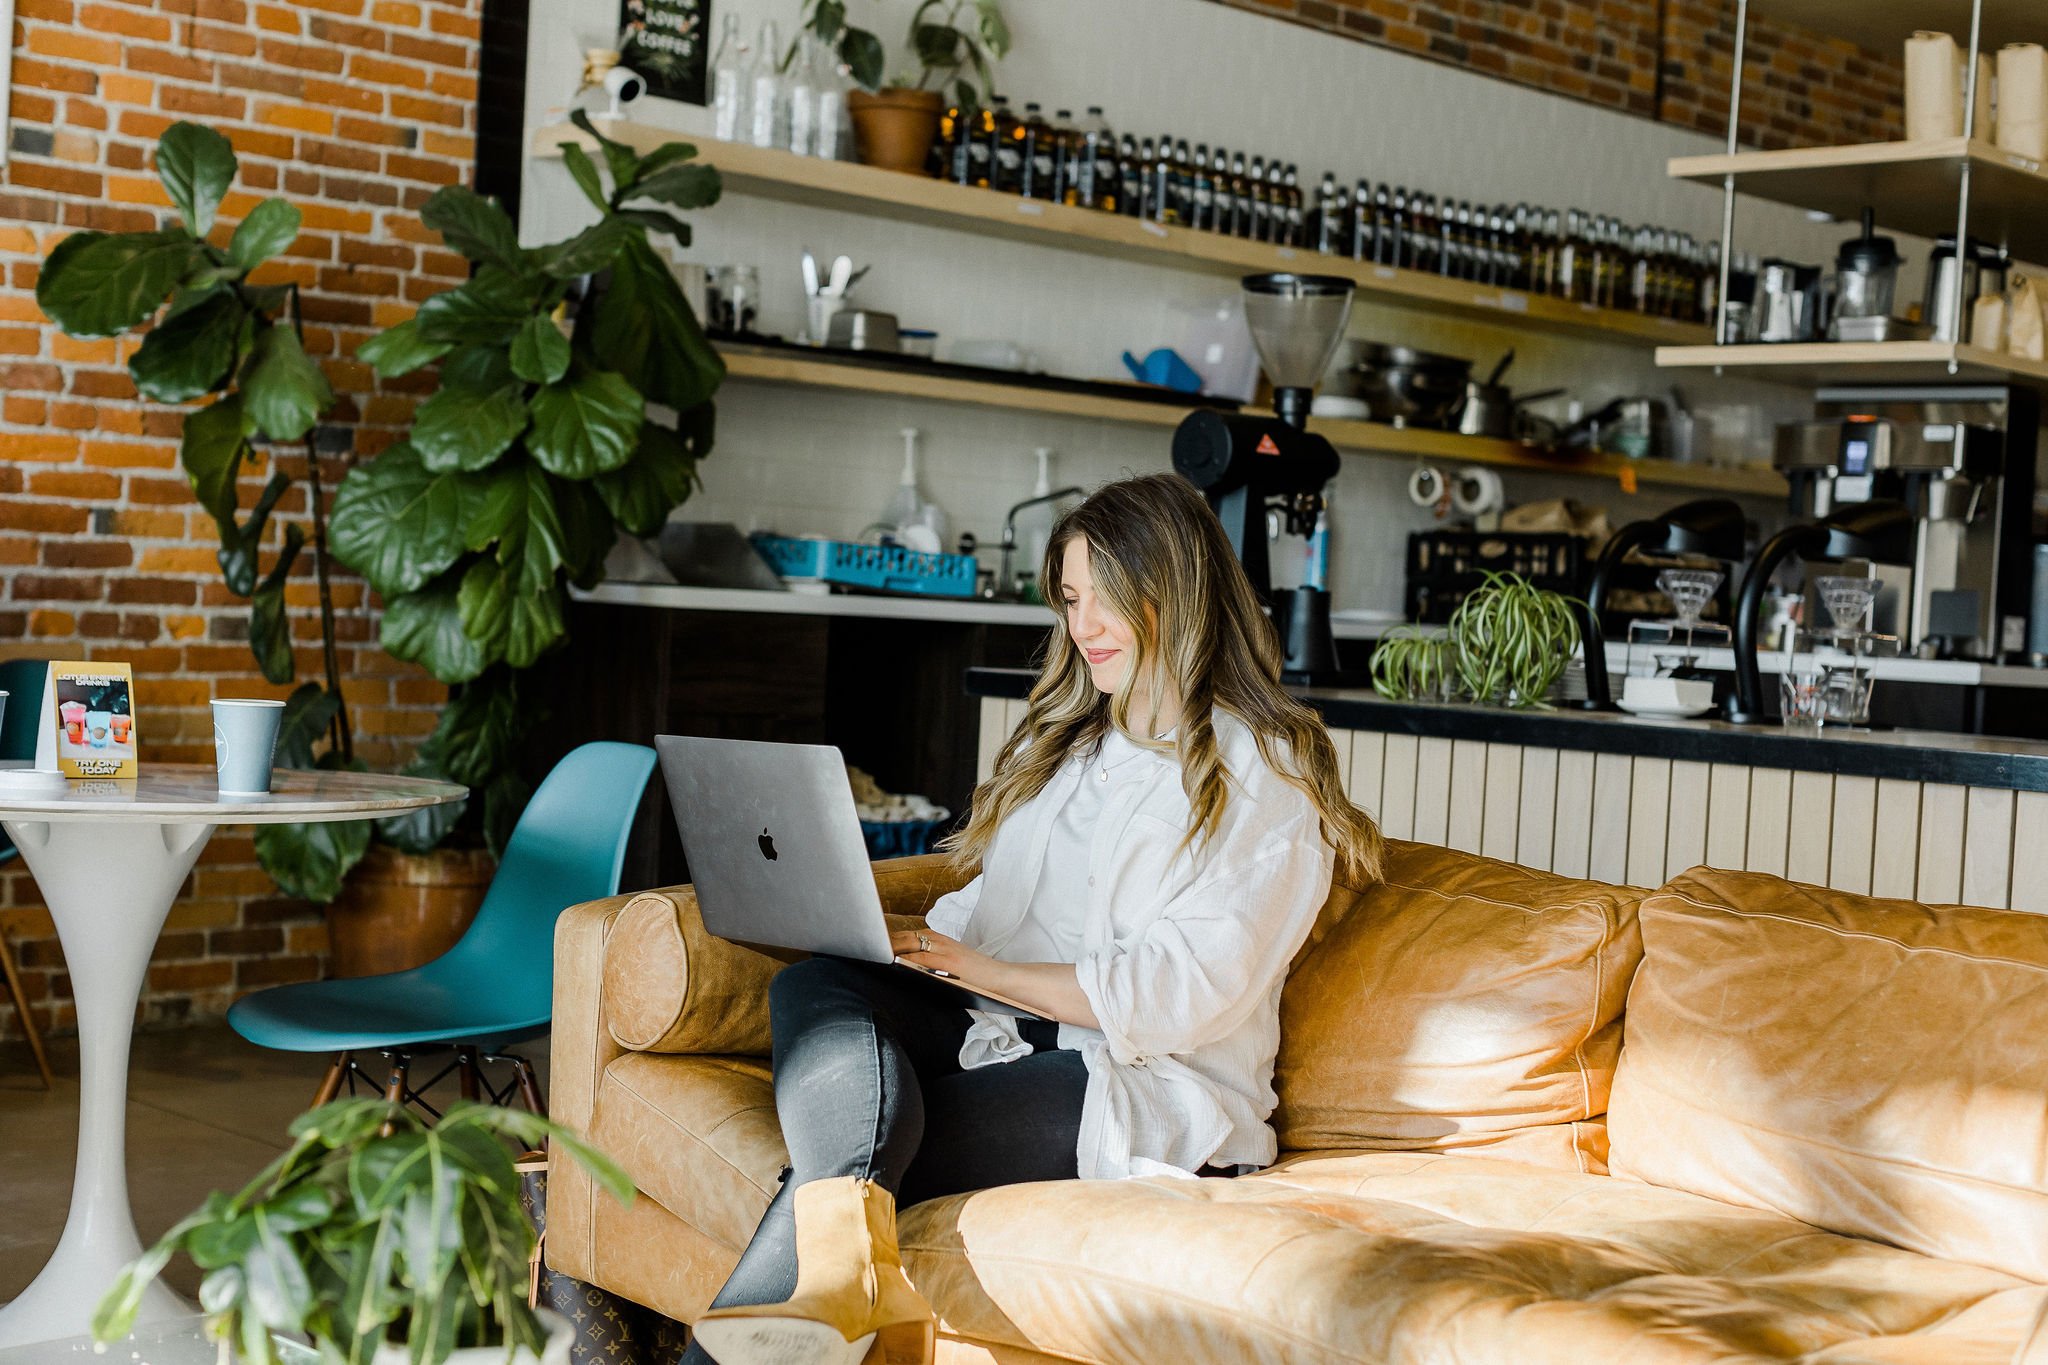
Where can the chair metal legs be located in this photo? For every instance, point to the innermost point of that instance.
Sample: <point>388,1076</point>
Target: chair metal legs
<point>468,1067</point>
<point>22,1012</point>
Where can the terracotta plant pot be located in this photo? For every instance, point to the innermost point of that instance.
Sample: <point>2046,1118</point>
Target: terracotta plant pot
<point>399,910</point>
<point>894,129</point>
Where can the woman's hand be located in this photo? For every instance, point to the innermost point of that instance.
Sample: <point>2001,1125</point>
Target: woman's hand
<point>1049,989</point>
<point>932,950</point>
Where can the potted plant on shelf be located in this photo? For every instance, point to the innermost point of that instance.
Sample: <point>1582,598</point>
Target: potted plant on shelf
<point>894,125</point>
<point>379,1236</point>
<point>1507,644</point>
<point>534,451</point>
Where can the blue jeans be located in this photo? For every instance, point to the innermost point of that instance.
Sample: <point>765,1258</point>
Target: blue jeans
<point>868,1083</point>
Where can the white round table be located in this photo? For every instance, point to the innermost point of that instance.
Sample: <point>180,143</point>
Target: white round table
<point>109,857</point>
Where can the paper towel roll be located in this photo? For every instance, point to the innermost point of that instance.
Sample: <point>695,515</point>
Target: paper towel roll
<point>1934,100</point>
<point>2023,100</point>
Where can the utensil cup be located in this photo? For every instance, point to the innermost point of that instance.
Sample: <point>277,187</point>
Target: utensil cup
<point>244,743</point>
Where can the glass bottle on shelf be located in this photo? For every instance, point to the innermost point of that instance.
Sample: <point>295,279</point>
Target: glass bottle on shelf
<point>767,107</point>
<point>1297,217</point>
<point>1005,148</point>
<point>833,132</point>
<point>1165,187</point>
<point>1130,177</point>
<point>1262,208</point>
<point>800,89</point>
<point>730,78</point>
<point>1183,182</point>
<point>1098,184</point>
<point>1202,203</point>
<point>1038,157</point>
<point>980,137</point>
<point>1362,242</point>
<point>1066,156</point>
<point>1240,197</point>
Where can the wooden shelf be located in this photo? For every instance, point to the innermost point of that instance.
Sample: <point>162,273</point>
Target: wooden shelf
<point>1913,186</point>
<point>1879,362</point>
<point>762,365</point>
<point>1883,26</point>
<point>914,198</point>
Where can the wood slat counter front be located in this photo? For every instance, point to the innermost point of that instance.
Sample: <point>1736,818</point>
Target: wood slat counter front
<point>1939,818</point>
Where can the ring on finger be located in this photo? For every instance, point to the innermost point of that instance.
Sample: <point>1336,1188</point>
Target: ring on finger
<point>924,945</point>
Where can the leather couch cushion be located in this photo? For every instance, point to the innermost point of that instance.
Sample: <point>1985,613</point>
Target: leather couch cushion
<point>698,1135</point>
<point>1426,1259</point>
<point>1464,1003</point>
<point>1873,1066</point>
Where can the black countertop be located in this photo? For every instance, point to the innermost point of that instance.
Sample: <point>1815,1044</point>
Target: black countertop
<point>1912,755</point>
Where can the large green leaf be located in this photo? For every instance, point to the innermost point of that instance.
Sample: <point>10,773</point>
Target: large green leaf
<point>197,166</point>
<point>270,629</point>
<point>308,712</point>
<point>686,187</point>
<point>641,493</point>
<point>270,227</point>
<point>589,250</point>
<point>309,861</point>
<point>481,729</point>
<point>642,327</point>
<point>621,160</point>
<point>99,285</point>
<point>484,310</point>
<point>477,414</point>
<point>584,172</point>
<point>503,610</point>
<point>540,353</point>
<point>400,349</point>
<point>658,220</point>
<point>588,531</point>
<point>214,442</point>
<point>474,226</point>
<point>398,523</point>
<point>190,352</point>
<point>863,54</point>
<point>586,424</point>
<point>283,391</point>
<point>425,627</point>
<point>240,542</point>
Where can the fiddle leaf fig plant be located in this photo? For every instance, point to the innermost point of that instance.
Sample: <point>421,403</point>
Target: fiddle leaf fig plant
<point>238,346</point>
<point>574,402</point>
<point>375,1227</point>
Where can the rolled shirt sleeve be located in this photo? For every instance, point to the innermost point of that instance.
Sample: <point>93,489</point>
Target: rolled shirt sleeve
<point>951,913</point>
<point>1195,974</point>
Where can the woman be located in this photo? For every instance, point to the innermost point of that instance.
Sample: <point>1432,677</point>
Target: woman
<point>1156,841</point>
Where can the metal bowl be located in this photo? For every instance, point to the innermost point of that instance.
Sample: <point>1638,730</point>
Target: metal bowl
<point>1408,387</point>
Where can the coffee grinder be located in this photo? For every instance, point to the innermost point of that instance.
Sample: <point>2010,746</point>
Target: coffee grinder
<point>1247,465</point>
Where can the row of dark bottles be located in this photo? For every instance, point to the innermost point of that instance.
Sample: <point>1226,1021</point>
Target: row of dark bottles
<point>1572,255</point>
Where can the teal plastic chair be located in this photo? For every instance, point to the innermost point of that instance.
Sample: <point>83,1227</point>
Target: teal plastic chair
<point>22,680</point>
<point>495,988</point>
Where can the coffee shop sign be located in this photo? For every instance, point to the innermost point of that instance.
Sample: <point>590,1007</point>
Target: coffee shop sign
<point>663,40</point>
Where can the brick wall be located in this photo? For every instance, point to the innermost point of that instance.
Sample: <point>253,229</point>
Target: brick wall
<point>353,109</point>
<point>1800,89</point>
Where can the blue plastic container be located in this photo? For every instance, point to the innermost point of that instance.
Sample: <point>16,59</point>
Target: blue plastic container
<point>882,568</point>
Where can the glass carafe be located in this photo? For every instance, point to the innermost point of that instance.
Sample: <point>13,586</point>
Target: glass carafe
<point>731,78</point>
<point>768,103</point>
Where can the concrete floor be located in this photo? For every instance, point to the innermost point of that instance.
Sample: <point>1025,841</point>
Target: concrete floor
<point>206,1111</point>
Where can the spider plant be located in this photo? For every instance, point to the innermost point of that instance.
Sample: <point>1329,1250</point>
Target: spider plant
<point>1511,640</point>
<point>1413,664</point>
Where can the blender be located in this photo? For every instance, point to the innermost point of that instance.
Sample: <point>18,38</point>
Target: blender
<point>1866,273</point>
<point>1247,464</point>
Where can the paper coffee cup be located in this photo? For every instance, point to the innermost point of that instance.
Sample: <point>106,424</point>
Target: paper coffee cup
<point>244,742</point>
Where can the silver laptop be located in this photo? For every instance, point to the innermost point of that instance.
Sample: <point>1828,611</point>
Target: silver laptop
<point>776,854</point>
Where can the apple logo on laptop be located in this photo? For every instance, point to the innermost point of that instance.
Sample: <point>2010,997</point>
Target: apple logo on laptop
<point>767,845</point>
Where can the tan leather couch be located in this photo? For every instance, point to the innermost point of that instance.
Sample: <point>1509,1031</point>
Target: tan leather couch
<point>1523,1119</point>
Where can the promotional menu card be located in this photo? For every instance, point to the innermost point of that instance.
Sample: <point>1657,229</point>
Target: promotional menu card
<point>88,722</point>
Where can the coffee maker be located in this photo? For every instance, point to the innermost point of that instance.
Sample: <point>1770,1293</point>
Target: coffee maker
<point>1961,458</point>
<point>1247,465</point>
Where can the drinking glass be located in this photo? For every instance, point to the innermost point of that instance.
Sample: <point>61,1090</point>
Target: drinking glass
<point>1803,702</point>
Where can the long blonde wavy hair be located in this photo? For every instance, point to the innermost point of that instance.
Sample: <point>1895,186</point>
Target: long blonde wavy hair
<point>1160,561</point>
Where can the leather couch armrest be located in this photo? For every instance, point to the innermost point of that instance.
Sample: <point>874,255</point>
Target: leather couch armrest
<point>911,886</point>
<point>578,1051</point>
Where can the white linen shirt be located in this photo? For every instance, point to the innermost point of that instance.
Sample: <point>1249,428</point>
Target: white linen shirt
<point>1183,955</point>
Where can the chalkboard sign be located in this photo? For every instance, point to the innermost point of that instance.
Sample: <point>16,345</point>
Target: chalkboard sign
<point>664,41</point>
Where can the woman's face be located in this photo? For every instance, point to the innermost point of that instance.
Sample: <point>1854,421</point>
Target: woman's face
<point>1105,639</point>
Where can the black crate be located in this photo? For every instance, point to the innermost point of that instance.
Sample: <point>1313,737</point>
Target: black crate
<point>1443,566</point>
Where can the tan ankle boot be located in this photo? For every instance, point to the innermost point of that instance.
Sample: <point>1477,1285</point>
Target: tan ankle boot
<point>852,1303</point>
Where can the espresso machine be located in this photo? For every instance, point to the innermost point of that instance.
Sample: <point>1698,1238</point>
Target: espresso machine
<point>1960,457</point>
<point>1249,465</point>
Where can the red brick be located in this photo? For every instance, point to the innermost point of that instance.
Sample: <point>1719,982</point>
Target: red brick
<point>88,554</point>
<point>73,483</point>
<point>56,588</point>
<point>203,102</point>
<point>51,76</point>
<point>54,518</point>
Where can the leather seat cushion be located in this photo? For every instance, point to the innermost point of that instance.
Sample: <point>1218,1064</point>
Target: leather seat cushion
<point>1463,1002</point>
<point>1422,1259</point>
<point>1872,1066</point>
